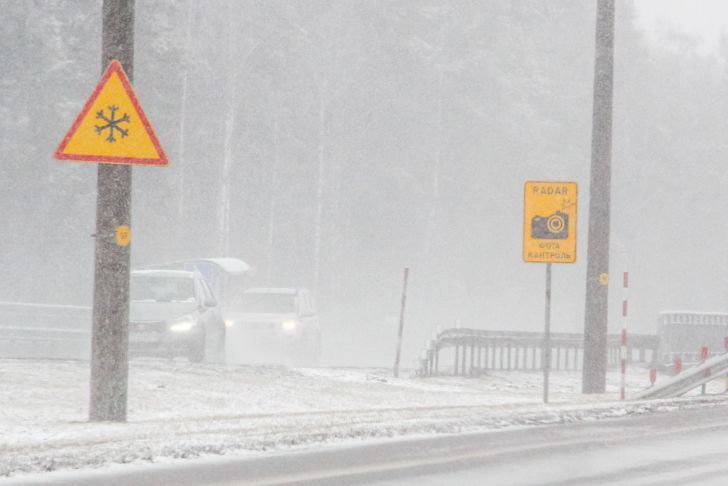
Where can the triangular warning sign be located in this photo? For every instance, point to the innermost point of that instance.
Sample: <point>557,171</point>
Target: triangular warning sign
<point>112,127</point>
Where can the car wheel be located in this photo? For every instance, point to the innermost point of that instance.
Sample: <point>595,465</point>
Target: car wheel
<point>309,351</point>
<point>314,351</point>
<point>219,346</point>
<point>197,350</point>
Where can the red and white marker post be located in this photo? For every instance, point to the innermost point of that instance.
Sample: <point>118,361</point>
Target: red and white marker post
<point>704,353</point>
<point>725,345</point>
<point>623,348</point>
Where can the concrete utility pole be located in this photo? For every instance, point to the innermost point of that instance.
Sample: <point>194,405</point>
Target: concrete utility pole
<point>110,340</point>
<point>597,274</point>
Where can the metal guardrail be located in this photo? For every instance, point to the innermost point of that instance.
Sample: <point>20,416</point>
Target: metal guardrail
<point>44,330</point>
<point>476,351</point>
<point>702,373</point>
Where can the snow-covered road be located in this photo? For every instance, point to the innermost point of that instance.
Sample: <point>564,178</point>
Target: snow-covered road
<point>685,447</point>
<point>682,447</point>
<point>182,410</point>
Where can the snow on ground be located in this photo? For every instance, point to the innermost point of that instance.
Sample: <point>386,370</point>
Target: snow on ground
<point>179,409</point>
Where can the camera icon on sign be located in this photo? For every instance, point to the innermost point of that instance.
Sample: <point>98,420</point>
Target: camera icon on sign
<point>553,227</point>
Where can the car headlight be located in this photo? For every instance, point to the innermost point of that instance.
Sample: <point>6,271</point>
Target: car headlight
<point>229,323</point>
<point>289,325</point>
<point>184,324</point>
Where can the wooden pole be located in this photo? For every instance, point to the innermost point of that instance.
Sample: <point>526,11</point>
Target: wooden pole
<point>401,324</point>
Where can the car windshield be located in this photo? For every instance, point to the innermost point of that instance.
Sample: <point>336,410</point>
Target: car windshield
<point>162,289</point>
<point>268,303</point>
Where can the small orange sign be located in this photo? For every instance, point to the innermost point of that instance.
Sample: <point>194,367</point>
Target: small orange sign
<point>123,235</point>
<point>549,222</point>
<point>112,127</point>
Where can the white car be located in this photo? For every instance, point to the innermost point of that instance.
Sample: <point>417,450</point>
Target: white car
<point>273,325</point>
<point>174,313</point>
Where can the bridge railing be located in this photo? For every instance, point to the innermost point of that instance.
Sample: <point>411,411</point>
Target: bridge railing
<point>44,330</point>
<point>476,351</point>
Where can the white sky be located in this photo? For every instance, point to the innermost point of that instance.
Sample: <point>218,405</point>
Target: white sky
<point>706,20</point>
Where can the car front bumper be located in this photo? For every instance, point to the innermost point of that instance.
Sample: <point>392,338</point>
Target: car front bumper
<point>155,342</point>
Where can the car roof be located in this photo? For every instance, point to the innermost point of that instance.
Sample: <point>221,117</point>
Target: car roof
<point>231,266</point>
<point>163,273</point>
<point>271,290</point>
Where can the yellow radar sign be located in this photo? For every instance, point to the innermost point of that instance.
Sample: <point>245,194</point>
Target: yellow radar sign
<point>549,222</point>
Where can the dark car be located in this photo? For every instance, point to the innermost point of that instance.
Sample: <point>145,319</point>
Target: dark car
<point>274,325</point>
<point>174,313</point>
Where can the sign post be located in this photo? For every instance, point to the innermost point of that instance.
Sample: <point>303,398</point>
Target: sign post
<point>549,236</point>
<point>547,337</point>
<point>112,129</point>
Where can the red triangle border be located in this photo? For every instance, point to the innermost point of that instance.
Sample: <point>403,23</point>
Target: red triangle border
<point>114,67</point>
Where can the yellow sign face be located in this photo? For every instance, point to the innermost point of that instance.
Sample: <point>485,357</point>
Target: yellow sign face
<point>123,235</point>
<point>112,127</point>
<point>549,222</point>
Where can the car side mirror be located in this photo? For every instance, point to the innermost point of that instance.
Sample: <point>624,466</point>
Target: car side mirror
<point>210,302</point>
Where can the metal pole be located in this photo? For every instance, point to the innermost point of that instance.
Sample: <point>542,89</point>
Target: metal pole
<point>623,347</point>
<point>595,317</point>
<point>401,323</point>
<point>110,332</point>
<point>547,337</point>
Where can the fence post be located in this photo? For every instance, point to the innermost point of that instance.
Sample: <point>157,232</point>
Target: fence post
<point>478,360</point>
<point>558,357</point>
<point>463,363</point>
<point>472,357</point>
<point>509,354</point>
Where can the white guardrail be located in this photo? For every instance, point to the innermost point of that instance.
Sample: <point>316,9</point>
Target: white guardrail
<point>32,330</point>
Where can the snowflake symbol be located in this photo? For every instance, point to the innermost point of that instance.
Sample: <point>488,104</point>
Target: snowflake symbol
<point>112,123</point>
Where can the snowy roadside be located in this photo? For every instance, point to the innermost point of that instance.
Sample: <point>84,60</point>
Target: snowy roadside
<point>179,410</point>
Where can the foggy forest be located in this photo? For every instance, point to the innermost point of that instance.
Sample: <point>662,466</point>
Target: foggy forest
<point>331,144</point>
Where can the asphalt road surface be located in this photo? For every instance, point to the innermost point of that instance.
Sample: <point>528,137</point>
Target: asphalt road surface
<point>686,447</point>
